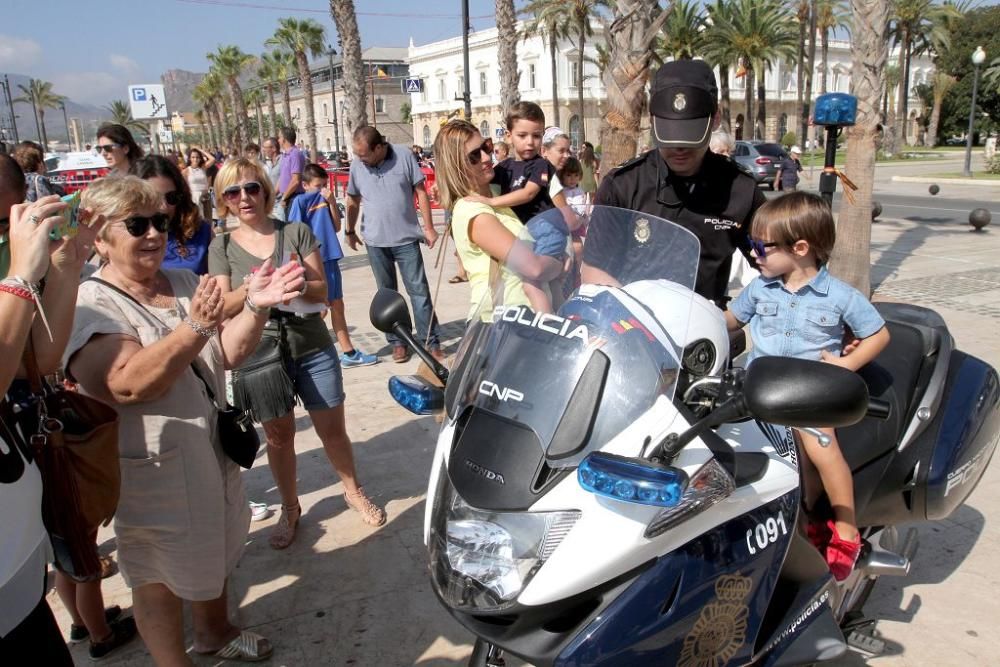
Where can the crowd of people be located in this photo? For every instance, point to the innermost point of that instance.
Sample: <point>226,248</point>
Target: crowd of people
<point>149,303</point>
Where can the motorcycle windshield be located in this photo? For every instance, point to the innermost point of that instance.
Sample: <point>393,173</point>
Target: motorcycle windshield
<point>580,375</point>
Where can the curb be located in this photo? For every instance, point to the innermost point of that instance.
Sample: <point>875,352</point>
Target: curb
<point>940,181</point>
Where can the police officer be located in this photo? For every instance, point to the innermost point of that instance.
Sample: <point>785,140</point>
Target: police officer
<point>680,181</point>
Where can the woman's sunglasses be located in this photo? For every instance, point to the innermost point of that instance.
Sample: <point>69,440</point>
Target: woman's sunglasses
<point>232,193</point>
<point>138,225</point>
<point>475,157</point>
<point>107,148</point>
<point>760,247</point>
<point>173,198</point>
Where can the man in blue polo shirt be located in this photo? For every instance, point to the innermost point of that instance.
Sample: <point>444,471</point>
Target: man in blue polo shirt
<point>384,179</point>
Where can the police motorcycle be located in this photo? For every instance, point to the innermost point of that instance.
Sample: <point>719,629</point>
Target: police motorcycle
<point>607,489</point>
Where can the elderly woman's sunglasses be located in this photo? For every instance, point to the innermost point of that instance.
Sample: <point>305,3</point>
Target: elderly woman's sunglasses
<point>138,225</point>
<point>232,193</point>
<point>475,157</point>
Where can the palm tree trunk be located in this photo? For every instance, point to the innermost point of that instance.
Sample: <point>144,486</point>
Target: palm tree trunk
<point>900,131</point>
<point>213,135</point>
<point>220,111</point>
<point>45,135</point>
<point>555,80</point>
<point>799,76</point>
<point>507,47</point>
<point>824,47</point>
<point>240,110</point>
<point>748,122</point>
<point>307,91</point>
<point>579,85</point>
<point>344,17</point>
<point>869,51</point>
<point>286,103</point>
<point>273,126</point>
<point>260,121</point>
<point>725,103</point>
<point>629,39</point>
<point>807,82</point>
<point>761,128</point>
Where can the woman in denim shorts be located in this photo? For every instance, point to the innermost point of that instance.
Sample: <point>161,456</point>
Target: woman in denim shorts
<point>311,358</point>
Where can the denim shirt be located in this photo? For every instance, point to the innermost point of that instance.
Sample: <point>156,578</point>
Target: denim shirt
<point>802,324</point>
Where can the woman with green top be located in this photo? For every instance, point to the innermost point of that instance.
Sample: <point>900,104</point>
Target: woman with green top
<point>311,360</point>
<point>483,234</point>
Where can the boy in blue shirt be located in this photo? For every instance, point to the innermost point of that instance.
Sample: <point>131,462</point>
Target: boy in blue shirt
<point>317,208</point>
<point>795,308</point>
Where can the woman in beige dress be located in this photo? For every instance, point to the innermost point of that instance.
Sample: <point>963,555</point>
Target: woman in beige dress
<point>182,519</point>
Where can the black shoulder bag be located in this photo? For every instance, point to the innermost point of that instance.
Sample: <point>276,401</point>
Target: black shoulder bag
<point>237,435</point>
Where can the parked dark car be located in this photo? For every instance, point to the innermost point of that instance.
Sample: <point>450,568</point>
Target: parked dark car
<point>761,159</point>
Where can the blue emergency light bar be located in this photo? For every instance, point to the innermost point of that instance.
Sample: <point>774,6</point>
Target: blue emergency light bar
<point>835,109</point>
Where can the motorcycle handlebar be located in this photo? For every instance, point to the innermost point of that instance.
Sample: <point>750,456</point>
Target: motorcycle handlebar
<point>878,408</point>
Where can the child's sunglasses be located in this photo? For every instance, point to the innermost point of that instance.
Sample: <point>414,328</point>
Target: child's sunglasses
<point>759,247</point>
<point>138,225</point>
<point>232,193</point>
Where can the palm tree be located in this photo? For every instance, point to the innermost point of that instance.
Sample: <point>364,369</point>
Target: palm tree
<point>207,138</point>
<point>917,26</point>
<point>762,33</point>
<point>213,86</point>
<point>203,98</point>
<point>39,94</point>
<point>283,63</point>
<point>354,73</point>
<point>303,38</point>
<point>941,83</point>
<point>831,15</point>
<point>507,50</point>
<point>229,61</point>
<point>269,70</point>
<point>683,34</point>
<point>720,53</point>
<point>547,22</point>
<point>629,38</point>
<point>121,113</point>
<point>803,12</point>
<point>579,25</point>
<point>891,81</point>
<point>255,97</point>
<point>869,52</point>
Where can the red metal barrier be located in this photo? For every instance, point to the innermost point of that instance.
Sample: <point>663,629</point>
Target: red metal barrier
<point>339,177</point>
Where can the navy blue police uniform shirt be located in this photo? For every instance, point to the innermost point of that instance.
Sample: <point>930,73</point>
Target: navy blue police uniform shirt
<point>511,175</point>
<point>716,204</point>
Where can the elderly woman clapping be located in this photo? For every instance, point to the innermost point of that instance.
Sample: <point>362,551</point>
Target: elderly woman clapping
<point>152,343</point>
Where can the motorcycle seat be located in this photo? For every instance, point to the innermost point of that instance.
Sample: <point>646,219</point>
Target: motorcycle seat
<point>898,375</point>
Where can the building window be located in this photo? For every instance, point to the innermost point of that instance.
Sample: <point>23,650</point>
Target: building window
<point>782,126</point>
<point>379,105</point>
<point>484,128</point>
<point>482,83</point>
<point>427,135</point>
<point>574,131</point>
<point>325,114</point>
<point>531,76</point>
<point>574,78</point>
<point>441,90</point>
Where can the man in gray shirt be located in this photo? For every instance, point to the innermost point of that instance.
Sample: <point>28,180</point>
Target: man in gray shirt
<point>385,179</point>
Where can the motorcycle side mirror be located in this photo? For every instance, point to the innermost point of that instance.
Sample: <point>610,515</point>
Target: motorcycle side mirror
<point>388,310</point>
<point>801,393</point>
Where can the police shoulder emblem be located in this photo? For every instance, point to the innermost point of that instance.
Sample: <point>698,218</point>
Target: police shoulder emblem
<point>642,230</point>
<point>680,102</point>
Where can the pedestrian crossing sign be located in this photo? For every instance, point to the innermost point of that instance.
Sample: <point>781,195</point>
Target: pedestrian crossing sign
<point>413,85</point>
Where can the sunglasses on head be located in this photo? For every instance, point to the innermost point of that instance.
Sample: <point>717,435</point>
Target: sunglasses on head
<point>475,157</point>
<point>107,148</point>
<point>173,198</point>
<point>138,225</point>
<point>760,247</point>
<point>232,193</point>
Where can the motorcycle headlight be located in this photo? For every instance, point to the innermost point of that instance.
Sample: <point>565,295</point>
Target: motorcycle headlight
<point>482,560</point>
<point>707,487</point>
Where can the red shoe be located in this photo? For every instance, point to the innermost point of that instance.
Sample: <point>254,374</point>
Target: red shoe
<point>818,533</point>
<point>841,555</point>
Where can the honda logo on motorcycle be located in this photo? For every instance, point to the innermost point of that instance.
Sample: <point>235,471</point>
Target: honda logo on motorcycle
<point>487,388</point>
<point>484,472</point>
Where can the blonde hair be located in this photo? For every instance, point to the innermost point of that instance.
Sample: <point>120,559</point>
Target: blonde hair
<point>119,197</point>
<point>452,162</point>
<point>229,175</point>
<point>798,216</point>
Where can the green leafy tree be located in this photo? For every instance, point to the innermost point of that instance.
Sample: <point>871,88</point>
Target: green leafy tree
<point>40,94</point>
<point>547,21</point>
<point>230,61</point>
<point>303,38</point>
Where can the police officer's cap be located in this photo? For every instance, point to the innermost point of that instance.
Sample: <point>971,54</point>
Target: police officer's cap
<point>682,100</point>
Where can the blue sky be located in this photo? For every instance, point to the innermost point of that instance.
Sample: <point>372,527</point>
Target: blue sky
<point>91,50</point>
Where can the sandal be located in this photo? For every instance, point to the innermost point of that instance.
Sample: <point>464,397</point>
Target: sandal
<point>284,533</point>
<point>454,280</point>
<point>248,647</point>
<point>107,567</point>
<point>370,513</point>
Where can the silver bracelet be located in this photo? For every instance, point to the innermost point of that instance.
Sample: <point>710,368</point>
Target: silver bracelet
<point>203,331</point>
<point>254,308</point>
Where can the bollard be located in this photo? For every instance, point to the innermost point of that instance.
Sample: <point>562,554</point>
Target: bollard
<point>876,210</point>
<point>934,189</point>
<point>979,218</point>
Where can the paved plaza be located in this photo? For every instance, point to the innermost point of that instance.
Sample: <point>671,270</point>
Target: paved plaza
<point>347,594</point>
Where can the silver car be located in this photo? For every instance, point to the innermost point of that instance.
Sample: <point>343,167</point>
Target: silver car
<point>761,159</point>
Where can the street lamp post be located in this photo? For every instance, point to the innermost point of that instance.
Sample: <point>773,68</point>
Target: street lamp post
<point>69,139</point>
<point>333,95</point>
<point>978,57</point>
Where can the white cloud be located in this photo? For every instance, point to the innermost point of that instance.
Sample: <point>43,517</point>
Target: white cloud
<point>17,54</point>
<point>123,63</point>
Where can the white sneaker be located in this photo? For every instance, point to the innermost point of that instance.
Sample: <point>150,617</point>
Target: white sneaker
<point>259,511</point>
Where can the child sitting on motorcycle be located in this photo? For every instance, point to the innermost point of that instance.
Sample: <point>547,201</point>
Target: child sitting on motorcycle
<point>795,308</point>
